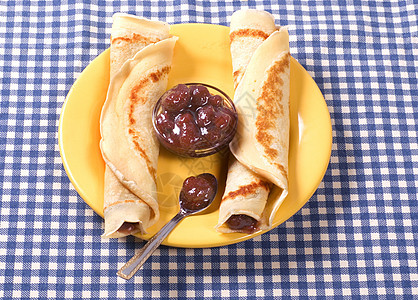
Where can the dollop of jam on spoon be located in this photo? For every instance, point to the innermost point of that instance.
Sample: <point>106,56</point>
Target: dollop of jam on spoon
<point>198,192</point>
<point>195,196</point>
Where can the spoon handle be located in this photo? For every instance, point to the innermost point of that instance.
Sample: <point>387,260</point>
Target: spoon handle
<point>136,262</point>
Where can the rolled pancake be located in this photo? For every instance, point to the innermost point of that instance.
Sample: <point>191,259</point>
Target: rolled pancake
<point>260,147</point>
<point>130,34</point>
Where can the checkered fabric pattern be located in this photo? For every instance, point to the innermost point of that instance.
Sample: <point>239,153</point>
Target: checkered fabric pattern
<point>356,237</point>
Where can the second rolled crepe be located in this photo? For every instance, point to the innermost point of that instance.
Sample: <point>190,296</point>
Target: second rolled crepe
<point>258,169</point>
<point>140,59</point>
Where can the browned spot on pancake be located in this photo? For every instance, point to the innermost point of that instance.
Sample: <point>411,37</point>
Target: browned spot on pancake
<point>282,169</point>
<point>156,76</point>
<point>245,190</point>
<point>137,96</point>
<point>248,32</point>
<point>122,202</point>
<point>144,155</point>
<point>236,75</point>
<point>270,107</point>
<point>134,38</point>
<point>132,121</point>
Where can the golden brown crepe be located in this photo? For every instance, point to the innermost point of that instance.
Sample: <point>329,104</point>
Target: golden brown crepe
<point>140,59</point>
<point>261,66</point>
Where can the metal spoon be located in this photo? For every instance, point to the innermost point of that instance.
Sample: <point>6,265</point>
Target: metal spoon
<point>187,207</point>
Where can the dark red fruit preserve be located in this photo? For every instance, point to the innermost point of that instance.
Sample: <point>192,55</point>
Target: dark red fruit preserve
<point>198,191</point>
<point>242,223</point>
<point>195,120</point>
<point>128,228</point>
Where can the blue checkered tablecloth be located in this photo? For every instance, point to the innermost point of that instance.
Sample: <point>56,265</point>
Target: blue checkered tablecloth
<point>356,237</point>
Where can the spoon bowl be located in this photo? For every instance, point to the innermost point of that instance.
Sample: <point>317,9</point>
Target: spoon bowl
<point>197,193</point>
<point>195,196</point>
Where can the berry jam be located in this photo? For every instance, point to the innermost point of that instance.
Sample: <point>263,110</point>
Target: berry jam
<point>242,223</point>
<point>190,121</point>
<point>198,191</point>
<point>129,228</point>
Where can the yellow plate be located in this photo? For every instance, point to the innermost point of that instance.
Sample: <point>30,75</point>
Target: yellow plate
<point>201,55</point>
